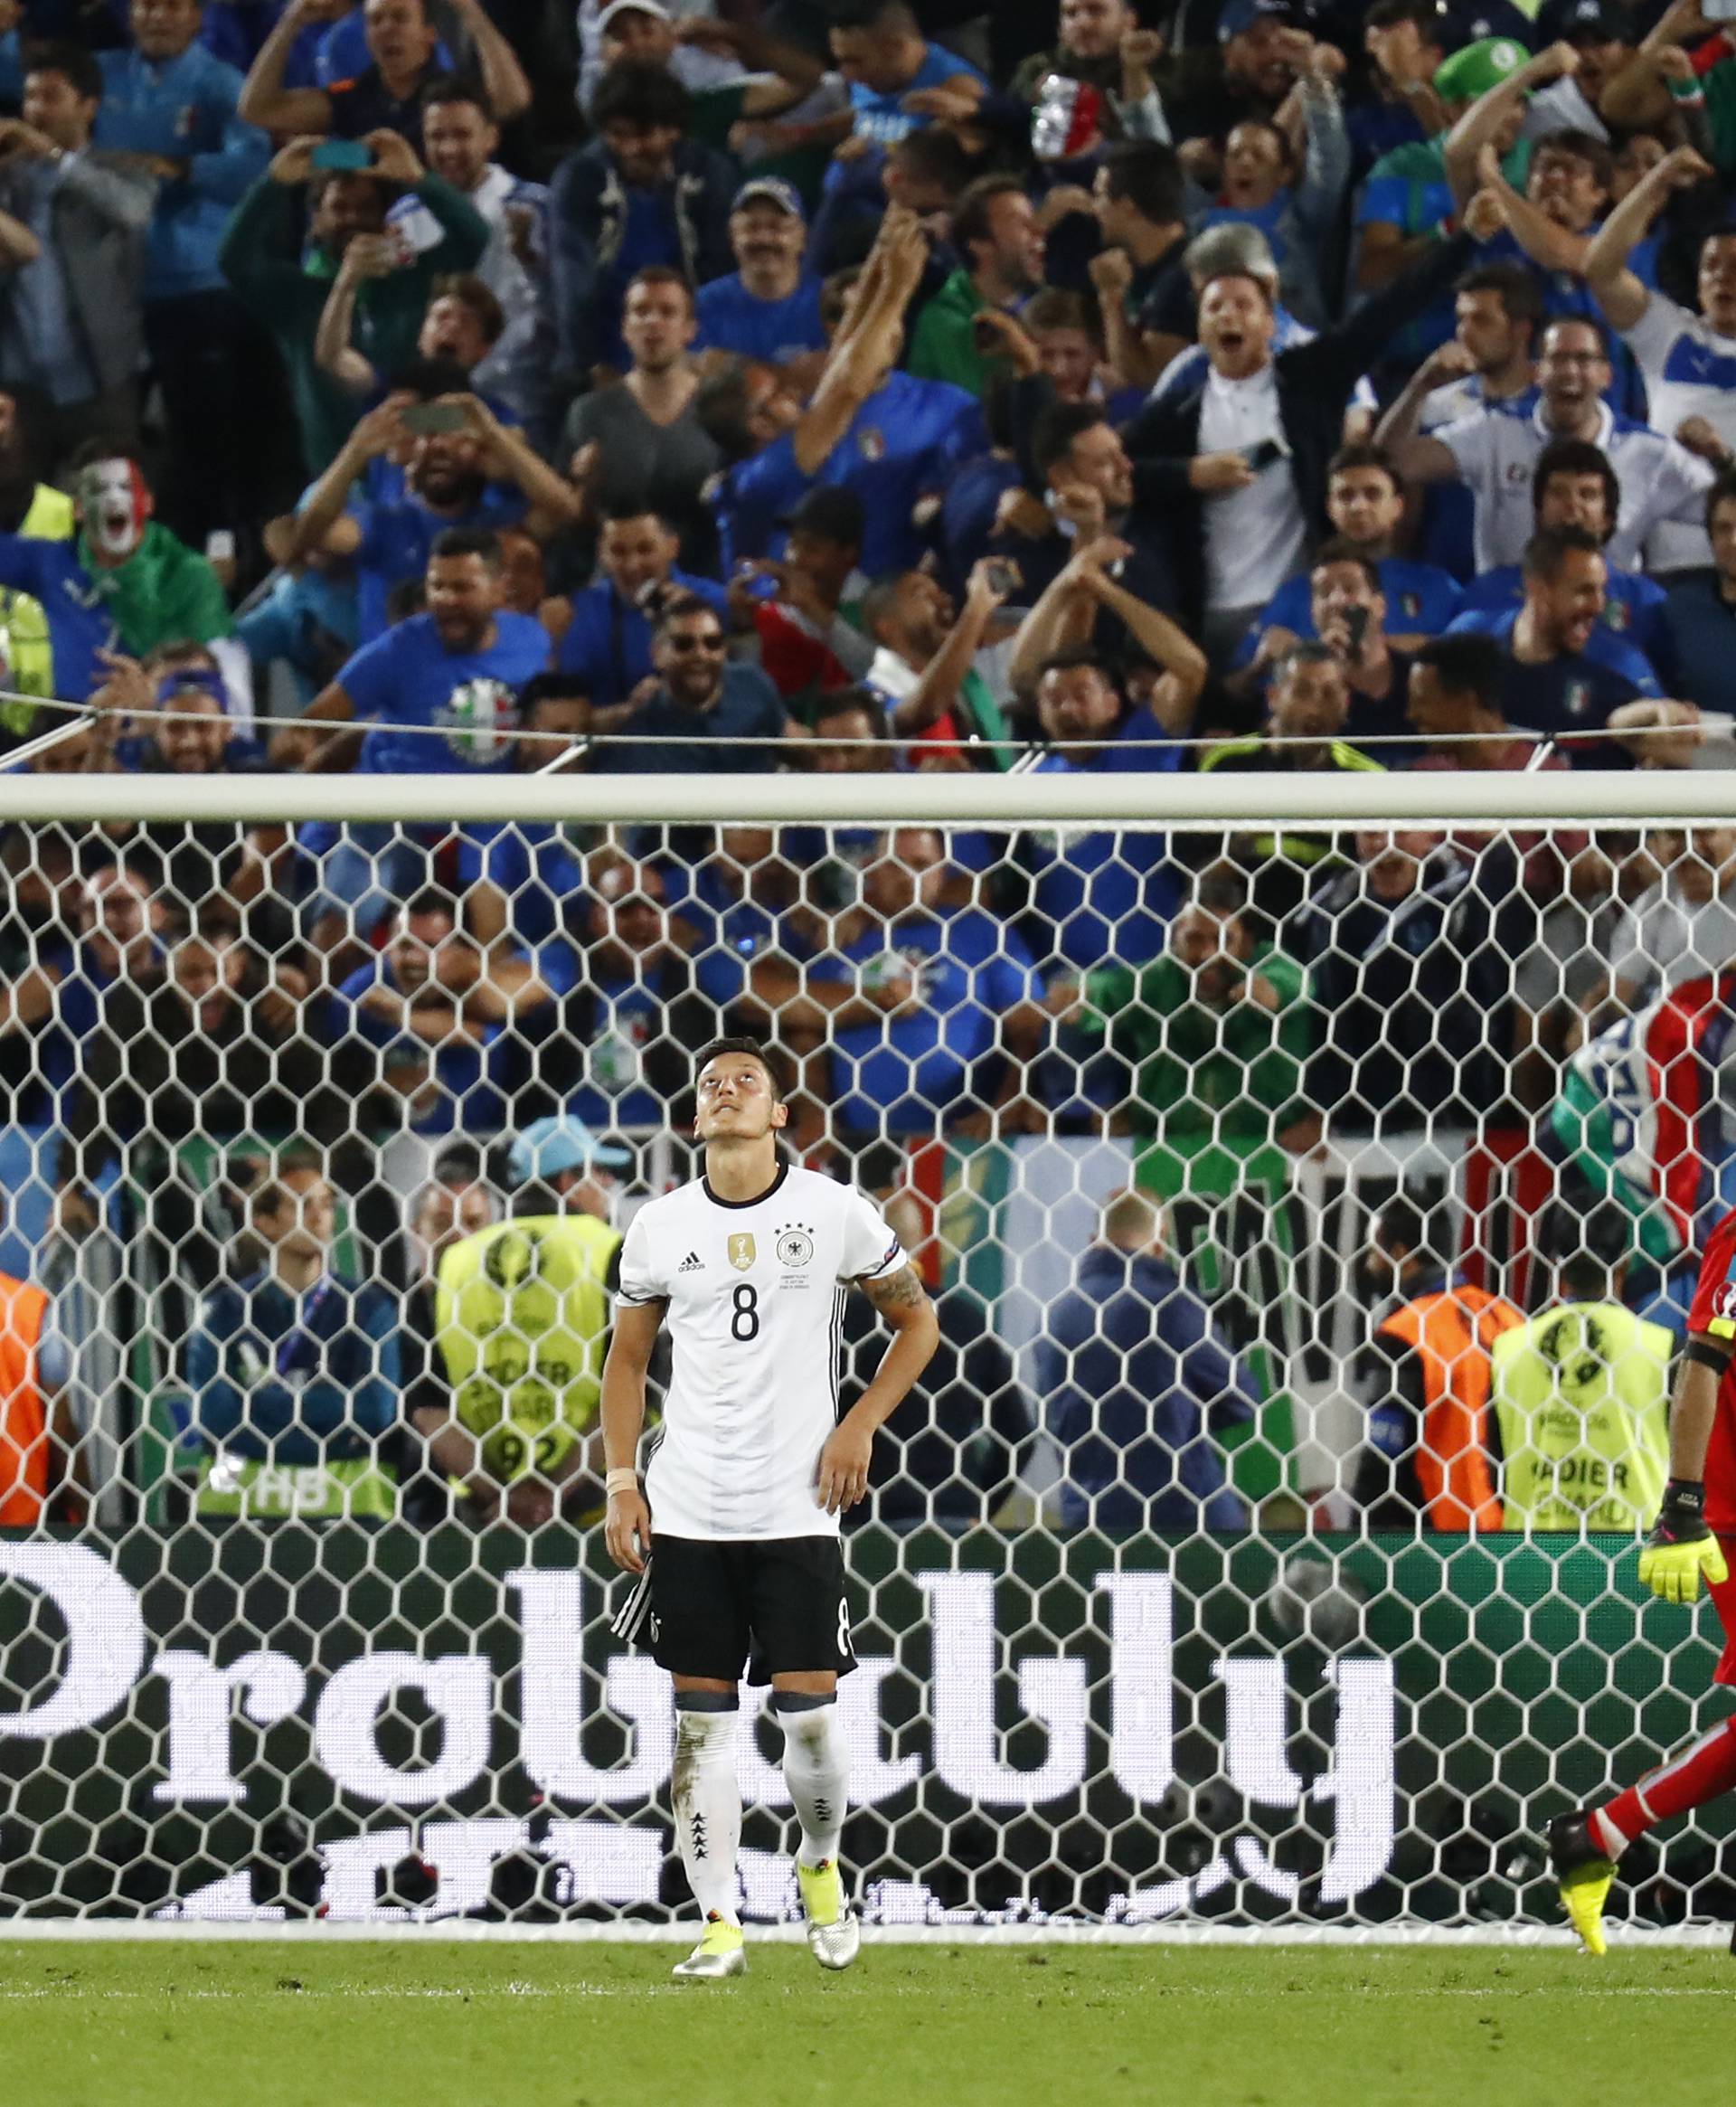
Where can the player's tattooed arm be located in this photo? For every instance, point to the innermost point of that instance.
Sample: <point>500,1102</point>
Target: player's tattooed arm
<point>896,1291</point>
<point>903,1302</point>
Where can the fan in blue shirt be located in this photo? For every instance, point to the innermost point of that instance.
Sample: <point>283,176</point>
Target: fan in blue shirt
<point>1095,893</point>
<point>172,101</point>
<point>455,670</point>
<point>743,905</point>
<point>1365,502</point>
<point>438,693</point>
<point>1564,672</point>
<point>1574,484</point>
<point>80,628</point>
<point>706,715</point>
<point>902,445</point>
<point>904,1067</point>
<point>1635,607</point>
<point>397,536</point>
<point>606,647</point>
<point>412,1008</point>
<point>769,308</point>
<point>1701,617</point>
<point>883,57</point>
<point>1420,601</point>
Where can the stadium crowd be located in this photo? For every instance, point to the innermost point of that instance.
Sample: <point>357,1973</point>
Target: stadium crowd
<point>836,385</point>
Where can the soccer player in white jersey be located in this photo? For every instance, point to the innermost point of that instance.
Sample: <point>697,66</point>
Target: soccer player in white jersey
<point>736,1532</point>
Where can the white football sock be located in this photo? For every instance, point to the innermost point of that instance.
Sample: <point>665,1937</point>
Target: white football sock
<point>708,1808</point>
<point>817,1769</point>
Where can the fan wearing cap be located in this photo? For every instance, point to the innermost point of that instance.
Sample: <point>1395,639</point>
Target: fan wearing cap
<point>521,1326</point>
<point>194,735</point>
<point>1262,47</point>
<point>1566,189</point>
<point>735,71</point>
<point>1407,200</point>
<point>893,439</point>
<point>1605,34</point>
<point>559,1166</point>
<point>769,306</point>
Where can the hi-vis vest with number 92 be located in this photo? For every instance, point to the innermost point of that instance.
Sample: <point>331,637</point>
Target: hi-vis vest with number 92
<point>1582,1397</point>
<point>522,1316</point>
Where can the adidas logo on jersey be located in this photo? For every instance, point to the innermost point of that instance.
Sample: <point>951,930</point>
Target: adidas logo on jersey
<point>692,1263</point>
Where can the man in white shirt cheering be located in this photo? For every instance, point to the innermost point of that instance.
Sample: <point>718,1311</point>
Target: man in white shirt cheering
<point>1688,360</point>
<point>748,1265</point>
<point>1495,451</point>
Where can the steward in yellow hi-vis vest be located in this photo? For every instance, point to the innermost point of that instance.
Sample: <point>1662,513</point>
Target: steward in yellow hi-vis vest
<point>1582,1396</point>
<point>521,1315</point>
<point>26,661</point>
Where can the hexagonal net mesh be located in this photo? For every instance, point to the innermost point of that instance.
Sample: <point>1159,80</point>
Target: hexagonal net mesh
<point>1312,1220</point>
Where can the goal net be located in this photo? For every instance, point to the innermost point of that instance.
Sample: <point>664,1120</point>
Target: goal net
<point>1309,1184</point>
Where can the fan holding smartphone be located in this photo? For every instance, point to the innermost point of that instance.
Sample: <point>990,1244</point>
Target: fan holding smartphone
<point>1349,611</point>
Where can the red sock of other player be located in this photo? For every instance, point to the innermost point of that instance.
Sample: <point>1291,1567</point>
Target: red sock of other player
<point>1703,1770</point>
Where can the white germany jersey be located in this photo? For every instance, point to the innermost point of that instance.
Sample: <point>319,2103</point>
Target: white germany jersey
<point>754,1291</point>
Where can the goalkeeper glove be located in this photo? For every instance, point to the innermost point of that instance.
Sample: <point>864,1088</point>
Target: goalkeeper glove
<point>1680,1547</point>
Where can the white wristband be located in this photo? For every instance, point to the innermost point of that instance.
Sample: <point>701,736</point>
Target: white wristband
<point>623,1478</point>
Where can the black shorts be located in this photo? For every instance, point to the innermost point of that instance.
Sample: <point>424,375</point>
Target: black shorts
<point>773,1606</point>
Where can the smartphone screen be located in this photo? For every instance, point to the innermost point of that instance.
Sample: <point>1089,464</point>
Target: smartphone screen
<point>342,153</point>
<point>426,417</point>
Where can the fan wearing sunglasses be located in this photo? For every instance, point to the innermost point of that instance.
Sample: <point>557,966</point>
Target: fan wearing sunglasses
<point>705,710</point>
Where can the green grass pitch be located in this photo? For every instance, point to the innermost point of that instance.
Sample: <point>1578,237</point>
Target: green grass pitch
<point>378,2024</point>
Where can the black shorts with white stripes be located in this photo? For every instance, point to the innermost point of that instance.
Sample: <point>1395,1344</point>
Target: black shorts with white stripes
<point>772,1606</point>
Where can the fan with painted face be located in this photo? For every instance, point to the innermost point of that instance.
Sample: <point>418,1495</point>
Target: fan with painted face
<point>114,505</point>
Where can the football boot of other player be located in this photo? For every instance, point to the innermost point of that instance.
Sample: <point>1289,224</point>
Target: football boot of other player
<point>1583,1874</point>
